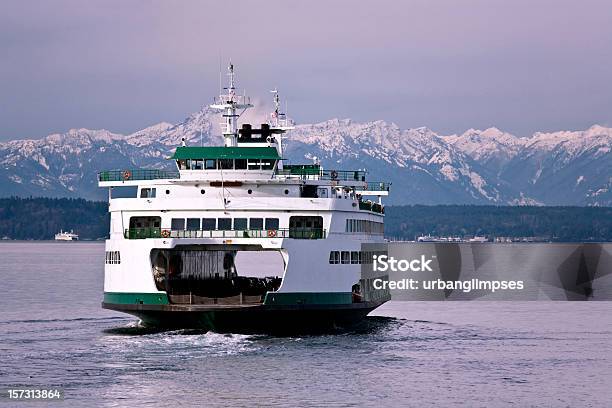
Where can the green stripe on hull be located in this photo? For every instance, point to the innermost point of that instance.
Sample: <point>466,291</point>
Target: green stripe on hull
<point>308,298</point>
<point>126,298</point>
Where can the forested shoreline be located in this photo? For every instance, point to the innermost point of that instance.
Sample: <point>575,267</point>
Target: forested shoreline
<point>40,218</point>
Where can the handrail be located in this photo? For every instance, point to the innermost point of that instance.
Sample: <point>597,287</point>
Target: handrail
<point>318,174</point>
<point>375,186</point>
<point>295,233</point>
<point>137,174</point>
<point>302,172</point>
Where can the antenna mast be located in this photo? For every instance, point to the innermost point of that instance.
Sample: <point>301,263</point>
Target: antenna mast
<point>279,123</point>
<point>229,103</point>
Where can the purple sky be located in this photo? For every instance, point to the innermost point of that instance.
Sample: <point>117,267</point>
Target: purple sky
<point>447,64</point>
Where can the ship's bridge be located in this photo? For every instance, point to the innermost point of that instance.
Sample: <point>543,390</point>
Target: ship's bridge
<point>218,163</point>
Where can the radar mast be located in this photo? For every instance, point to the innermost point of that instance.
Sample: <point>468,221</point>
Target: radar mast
<point>230,103</point>
<point>279,124</point>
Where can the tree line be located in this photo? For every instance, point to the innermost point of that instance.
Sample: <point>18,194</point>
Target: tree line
<point>559,224</point>
<point>41,218</point>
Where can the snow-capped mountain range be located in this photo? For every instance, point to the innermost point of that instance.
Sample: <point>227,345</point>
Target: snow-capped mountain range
<point>479,166</point>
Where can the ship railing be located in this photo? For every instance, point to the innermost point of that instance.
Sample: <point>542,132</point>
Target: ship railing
<point>235,99</point>
<point>375,186</point>
<point>316,173</point>
<point>295,233</point>
<point>142,233</point>
<point>137,174</point>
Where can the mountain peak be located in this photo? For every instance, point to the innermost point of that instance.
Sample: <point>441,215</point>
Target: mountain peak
<point>477,166</point>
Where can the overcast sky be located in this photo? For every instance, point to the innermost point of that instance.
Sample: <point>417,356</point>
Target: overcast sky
<point>449,65</point>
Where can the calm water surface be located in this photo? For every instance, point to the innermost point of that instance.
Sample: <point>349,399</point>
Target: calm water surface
<point>54,333</point>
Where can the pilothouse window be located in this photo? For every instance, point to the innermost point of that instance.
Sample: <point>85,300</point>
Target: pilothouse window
<point>226,164</point>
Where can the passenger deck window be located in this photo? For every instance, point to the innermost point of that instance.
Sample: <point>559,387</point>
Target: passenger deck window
<point>354,257</point>
<point>224,224</point>
<point>145,222</point>
<point>240,224</point>
<point>334,257</point>
<point>124,192</point>
<point>178,224</point>
<point>256,223</point>
<point>241,164</point>
<point>271,223</point>
<point>210,164</point>
<point>346,258</point>
<point>193,224</point>
<point>209,224</point>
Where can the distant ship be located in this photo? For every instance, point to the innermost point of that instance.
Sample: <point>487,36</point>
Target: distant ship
<point>430,238</point>
<point>66,236</point>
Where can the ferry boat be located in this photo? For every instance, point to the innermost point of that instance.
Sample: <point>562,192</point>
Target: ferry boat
<point>66,236</point>
<point>175,235</point>
<point>430,238</point>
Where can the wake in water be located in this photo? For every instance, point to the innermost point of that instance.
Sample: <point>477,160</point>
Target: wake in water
<point>370,325</point>
<point>78,319</point>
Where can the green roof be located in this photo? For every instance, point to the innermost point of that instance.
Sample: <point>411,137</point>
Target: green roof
<point>189,152</point>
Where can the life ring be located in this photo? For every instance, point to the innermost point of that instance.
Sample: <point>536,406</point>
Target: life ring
<point>165,233</point>
<point>127,175</point>
<point>334,174</point>
<point>271,233</point>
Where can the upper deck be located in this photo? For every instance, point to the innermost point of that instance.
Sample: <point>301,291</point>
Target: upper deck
<point>308,174</point>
